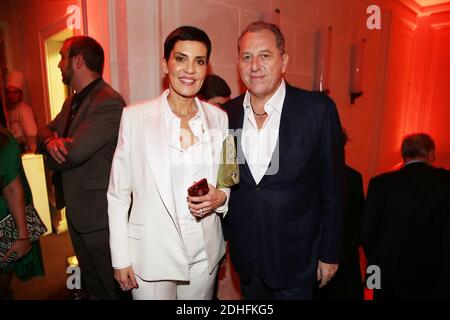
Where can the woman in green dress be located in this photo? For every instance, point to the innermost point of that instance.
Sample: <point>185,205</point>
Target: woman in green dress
<point>15,195</point>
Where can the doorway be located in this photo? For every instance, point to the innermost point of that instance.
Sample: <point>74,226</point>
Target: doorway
<point>57,94</point>
<point>57,91</point>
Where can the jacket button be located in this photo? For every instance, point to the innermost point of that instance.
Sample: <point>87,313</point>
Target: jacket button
<point>258,189</point>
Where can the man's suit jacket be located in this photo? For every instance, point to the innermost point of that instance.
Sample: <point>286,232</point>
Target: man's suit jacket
<point>406,232</point>
<point>347,284</point>
<point>85,173</point>
<point>150,238</point>
<point>290,219</point>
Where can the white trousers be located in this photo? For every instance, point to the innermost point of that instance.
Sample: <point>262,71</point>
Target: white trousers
<point>201,283</point>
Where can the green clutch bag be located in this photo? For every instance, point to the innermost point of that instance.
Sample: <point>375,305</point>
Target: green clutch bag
<point>228,174</point>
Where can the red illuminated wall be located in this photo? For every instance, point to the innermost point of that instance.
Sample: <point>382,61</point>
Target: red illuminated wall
<point>418,81</point>
<point>26,21</point>
<point>436,95</point>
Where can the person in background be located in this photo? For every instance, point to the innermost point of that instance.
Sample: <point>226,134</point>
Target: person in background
<point>406,225</point>
<point>170,245</point>
<point>21,119</point>
<point>215,90</point>
<point>15,195</point>
<point>285,219</point>
<point>348,283</point>
<point>79,146</point>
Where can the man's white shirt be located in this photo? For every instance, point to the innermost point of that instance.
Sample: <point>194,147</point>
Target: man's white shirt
<point>259,145</point>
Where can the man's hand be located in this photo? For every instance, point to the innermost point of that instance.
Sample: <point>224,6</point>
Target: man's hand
<point>56,148</point>
<point>126,278</point>
<point>325,272</point>
<point>204,205</point>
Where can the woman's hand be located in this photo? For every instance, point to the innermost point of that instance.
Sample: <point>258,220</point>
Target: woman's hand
<point>20,248</point>
<point>14,196</point>
<point>126,278</point>
<point>204,205</point>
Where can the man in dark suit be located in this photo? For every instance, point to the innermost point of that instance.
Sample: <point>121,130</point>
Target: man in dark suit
<point>284,221</point>
<point>79,145</point>
<point>348,283</point>
<point>406,225</point>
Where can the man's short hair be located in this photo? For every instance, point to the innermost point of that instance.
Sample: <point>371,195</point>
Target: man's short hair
<point>417,145</point>
<point>214,86</point>
<point>186,33</point>
<point>90,50</point>
<point>262,25</point>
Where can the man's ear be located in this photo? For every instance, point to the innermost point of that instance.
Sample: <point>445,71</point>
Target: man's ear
<point>285,60</point>
<point>78,61</point>
<point>431,157</point>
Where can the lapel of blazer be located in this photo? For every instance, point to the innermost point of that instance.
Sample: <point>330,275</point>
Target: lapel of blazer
<point>83,109</point>
<point>287,131</point>
<point>156,142</point>
<point>237,124</point>
<point>65,112</point>
<point>288,121</point>
<point>210,123</point>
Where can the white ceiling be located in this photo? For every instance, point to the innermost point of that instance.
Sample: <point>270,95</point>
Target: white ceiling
<point>426,3</point>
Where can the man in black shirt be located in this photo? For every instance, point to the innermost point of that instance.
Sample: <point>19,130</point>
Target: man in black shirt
<point>79,145</point>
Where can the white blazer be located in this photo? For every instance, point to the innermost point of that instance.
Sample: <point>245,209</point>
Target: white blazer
<point>149,239</point>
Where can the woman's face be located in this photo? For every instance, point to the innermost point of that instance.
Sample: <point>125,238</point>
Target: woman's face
<point>186,68</point>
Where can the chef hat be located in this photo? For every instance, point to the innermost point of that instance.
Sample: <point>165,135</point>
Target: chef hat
<point>15,78</point>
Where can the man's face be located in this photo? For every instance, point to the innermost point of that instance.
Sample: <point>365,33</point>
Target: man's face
<point>65,64</point>
<point>261,64</point>
<point>14,95</point>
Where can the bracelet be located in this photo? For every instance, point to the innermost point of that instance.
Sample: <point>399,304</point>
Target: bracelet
<point>23,239</point>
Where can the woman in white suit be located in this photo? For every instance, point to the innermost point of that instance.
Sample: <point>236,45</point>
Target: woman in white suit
<point>170,244</point>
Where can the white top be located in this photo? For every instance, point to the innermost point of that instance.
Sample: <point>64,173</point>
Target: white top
<point>21,122</point>
<point>258,145</point>
<point>186,166</point>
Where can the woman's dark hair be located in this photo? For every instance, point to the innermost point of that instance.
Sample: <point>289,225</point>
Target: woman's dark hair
<point>91,51</point>
<point>185,33</point>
